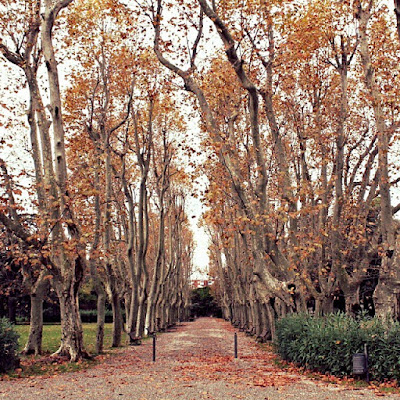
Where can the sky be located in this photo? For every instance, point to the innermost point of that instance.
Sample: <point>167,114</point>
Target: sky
<point>200,258</point>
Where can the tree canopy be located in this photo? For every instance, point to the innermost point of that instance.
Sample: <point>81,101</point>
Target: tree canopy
<point>290,110</point>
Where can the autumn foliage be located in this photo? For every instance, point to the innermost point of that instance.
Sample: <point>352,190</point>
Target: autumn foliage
<point>289,111</point>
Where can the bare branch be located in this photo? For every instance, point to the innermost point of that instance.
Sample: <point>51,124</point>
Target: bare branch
<point>14,58</point>
<point>372,151</point>
<point>128,110</point>
<point>395,209</point>
<point>197,41</point>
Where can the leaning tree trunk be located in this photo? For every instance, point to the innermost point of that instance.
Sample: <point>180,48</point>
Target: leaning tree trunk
<point>152,297</point>
<point>132,303</point>
<point>143,236</point>
<point>98,285</point>
<point>34,342</point>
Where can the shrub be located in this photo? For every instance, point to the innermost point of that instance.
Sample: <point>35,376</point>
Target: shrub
<point>51,313</point>
<point>8,346</point>
<point>88,315</point>
<point>91,316</point>
<point>327,344</point>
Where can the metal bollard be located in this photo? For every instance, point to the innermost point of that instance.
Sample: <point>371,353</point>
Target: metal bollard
<point>154,347</point>
<point>235,342</point>
<point>360,364</point>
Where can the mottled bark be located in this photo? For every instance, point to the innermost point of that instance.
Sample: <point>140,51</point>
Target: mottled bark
<point>71,326</point>
<point>34,342</point>
<point>118,322</point>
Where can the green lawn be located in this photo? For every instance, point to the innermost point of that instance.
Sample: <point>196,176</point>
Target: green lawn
<point>52,335</point>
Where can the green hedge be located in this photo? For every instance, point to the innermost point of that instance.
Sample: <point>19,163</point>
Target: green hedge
<point>91,316</point>
<point>86,316</point>
<point>8,346</point>
<point>327,344</point>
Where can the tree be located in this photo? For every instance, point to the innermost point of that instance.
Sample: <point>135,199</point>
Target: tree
<point>60,249</point>
<point>386,293</point>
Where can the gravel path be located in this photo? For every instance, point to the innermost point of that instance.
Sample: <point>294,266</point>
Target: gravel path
<point>194,362</point>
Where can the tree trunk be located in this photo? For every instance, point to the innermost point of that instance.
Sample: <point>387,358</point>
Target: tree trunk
<point>140,316</point>
<point>265,327</point>
<point>118,322</point>
<point>12,309</point>
<point>324,305</point>
<point>271,318</point>
<point>34,343</point>
<point>101,316</point>
<point>352,298</point>
<point>387,292</point>
<point>71,326</point>
<point>133,311</point>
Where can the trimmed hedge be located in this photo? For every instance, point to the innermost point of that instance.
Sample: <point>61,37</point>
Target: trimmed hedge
<point>327,344</point>
<point>91,316</point>
<point>8,346</point>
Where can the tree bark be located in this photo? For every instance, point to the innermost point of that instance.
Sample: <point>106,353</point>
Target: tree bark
<point>118,322</point>
<point>34,342</point>
<point>101,316</point>
<point>71,326</point>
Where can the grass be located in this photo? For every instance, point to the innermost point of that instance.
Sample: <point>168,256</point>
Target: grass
<point>46,365</point>
<point>52,337</point>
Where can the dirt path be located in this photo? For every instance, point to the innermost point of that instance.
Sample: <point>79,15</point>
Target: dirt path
<point>194,362</point>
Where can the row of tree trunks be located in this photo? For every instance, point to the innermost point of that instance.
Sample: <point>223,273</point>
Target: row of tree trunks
<point>321,235</point>
<point>58,246</point>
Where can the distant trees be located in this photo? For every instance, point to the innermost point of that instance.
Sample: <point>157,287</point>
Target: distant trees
<point>203,303</point>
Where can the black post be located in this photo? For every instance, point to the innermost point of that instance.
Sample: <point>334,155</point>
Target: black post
<point>235,345</point>
<point>154,347</point>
